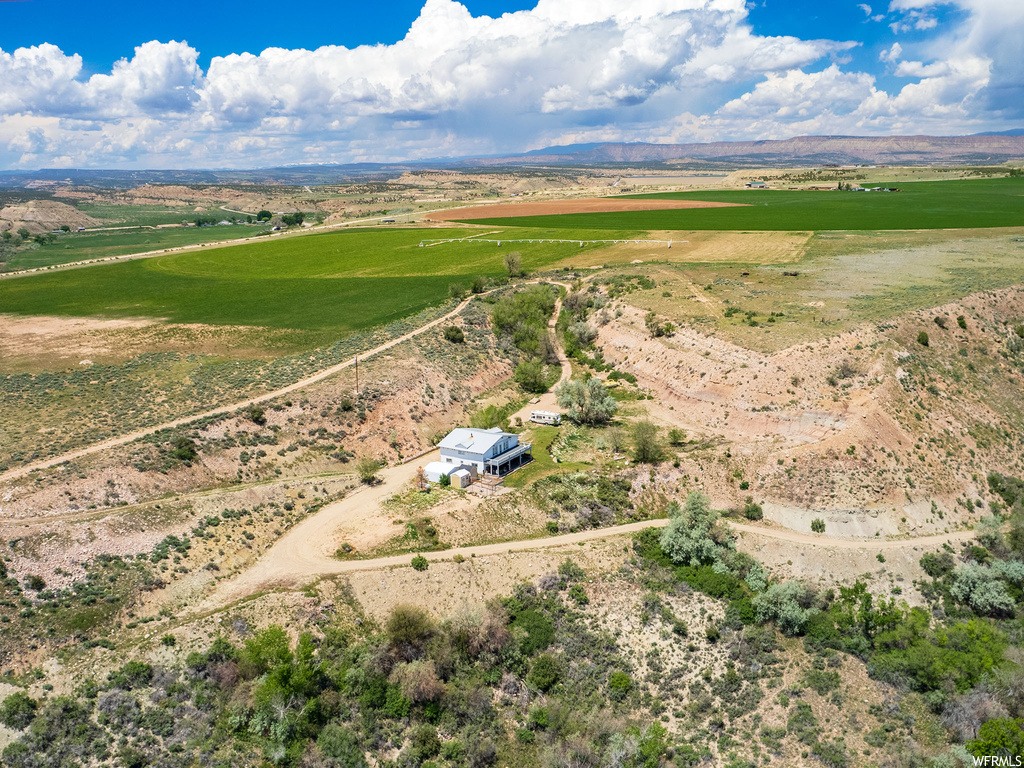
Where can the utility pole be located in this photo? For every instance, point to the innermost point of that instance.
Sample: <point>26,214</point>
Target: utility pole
<point>357,377</point>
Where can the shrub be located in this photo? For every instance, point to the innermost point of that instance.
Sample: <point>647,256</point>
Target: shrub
<point>17,711</point>
<point>35,583</point>
<point>367,468</point>
<point>961,321</point>
<point>408,628</point>
<point>540,631</point>
<point>676,436</point>
<point>646,447</point>
<point>445,481</point>
<point>256,415</point>
<point>168,641</point>
<point>579,594</point>
<point>538,717</point>
<point>523,317</point>
<point>419,681</point>
<point>456,292</point>
<point>420,563</point>
<point>479,284</point>
<point>133,674</point>
<point>922,339</point>
<point>454,334</point>
<point>977,586</point>
<point>937,566</point>
<point>752,510</point>
<point>513,261</point>
<point>818,525</point>
<point>339,745</point>
<point>570,571</point>
<point>544,673</point>
<point>619,685</point>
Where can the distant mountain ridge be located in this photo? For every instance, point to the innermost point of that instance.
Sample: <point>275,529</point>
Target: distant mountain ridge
<point>870,150</point>
<point>980,149</point>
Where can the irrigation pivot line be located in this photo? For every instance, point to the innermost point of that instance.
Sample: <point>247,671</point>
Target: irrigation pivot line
<point>432,243</point>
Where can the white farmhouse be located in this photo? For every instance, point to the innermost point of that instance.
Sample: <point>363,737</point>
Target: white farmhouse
<point>491,451</point>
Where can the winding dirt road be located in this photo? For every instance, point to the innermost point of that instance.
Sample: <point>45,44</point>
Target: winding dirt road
<point>305,553</point>
<point>13,474</point>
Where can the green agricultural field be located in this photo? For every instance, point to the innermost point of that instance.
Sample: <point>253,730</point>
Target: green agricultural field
<point>920,205</point>
<point>333,283</point>
<point>80,246</point>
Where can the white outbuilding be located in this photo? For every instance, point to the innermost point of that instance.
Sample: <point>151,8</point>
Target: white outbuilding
<point>435,469</point>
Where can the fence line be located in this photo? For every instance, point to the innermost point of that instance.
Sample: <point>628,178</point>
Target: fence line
<point>432,243</point>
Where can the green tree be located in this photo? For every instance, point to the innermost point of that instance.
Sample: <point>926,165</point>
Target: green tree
<point>586,402</point>
<point>17,710</point>
<point>977,586</point>
<point>24,234</point>
<point>646,446</point>
<point>787,604</point>
<point>530,376</point>
<point>479,284</point>
<point>818,525</point>
<point>922,339</point>
<point>1002,737</point>
<point>695,535</point>
<point>513,261</point>
<point>264,215</point>
<point>266,650</point>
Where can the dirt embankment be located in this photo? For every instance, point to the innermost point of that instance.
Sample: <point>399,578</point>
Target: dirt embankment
<point>869,429</point>
<point>38,216</point>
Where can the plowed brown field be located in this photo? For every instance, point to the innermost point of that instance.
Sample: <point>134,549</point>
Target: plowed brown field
<point>581,205</point>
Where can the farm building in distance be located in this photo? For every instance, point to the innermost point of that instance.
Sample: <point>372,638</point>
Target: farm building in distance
<point>488,451</point>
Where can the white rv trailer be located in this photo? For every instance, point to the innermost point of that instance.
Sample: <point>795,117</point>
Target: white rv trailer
<point>546,417</point>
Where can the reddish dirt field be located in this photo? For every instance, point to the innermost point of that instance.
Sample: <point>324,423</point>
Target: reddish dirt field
<point>582,205</point>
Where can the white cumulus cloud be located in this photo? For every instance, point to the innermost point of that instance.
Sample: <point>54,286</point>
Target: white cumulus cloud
<point>566,70</point>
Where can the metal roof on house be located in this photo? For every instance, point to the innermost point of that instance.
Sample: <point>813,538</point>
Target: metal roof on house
<point>474,440</point>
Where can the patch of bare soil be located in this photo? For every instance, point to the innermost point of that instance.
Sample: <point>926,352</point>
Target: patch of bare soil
<point>45,343</point>
<point>447,587</point>
<point>580,205</point>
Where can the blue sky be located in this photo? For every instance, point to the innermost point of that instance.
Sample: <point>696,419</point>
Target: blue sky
<point>232,84</point>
